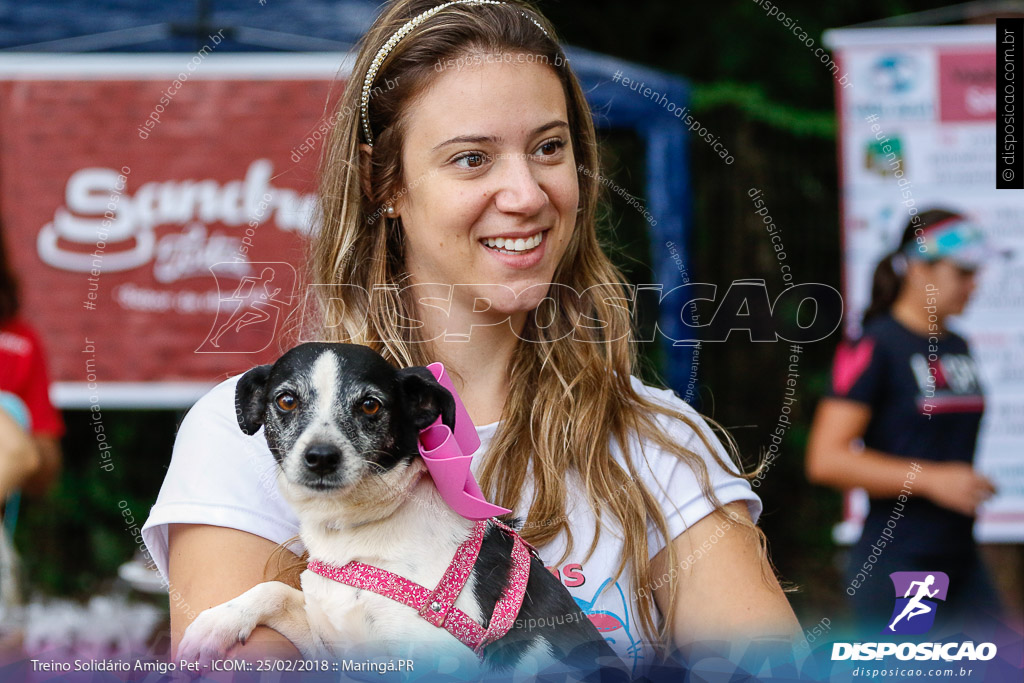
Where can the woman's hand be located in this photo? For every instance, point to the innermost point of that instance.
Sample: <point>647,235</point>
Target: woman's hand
<point>729,592</point>
<point>955,485</point>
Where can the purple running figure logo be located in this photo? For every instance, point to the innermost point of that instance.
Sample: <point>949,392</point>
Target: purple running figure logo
<point>917,594</point>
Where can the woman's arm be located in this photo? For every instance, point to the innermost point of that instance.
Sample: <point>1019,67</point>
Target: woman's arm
<point>209,565</point>
<point>833,459</point>
<point>728,592</point>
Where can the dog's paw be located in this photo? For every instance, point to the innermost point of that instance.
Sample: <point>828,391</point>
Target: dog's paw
<point>214,632</point>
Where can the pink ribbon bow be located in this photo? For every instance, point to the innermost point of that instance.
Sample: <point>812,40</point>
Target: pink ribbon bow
<point>448,454</point>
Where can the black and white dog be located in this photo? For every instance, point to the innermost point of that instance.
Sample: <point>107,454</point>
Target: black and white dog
<point>342,424</point>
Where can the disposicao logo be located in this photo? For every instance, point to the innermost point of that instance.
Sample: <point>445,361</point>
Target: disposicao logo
<point>918,595</point>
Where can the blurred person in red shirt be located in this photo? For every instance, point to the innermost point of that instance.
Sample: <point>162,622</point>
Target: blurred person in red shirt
<point>30,427</point>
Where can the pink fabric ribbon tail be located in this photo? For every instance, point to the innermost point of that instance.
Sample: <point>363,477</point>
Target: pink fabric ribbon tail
<point>448,454</point>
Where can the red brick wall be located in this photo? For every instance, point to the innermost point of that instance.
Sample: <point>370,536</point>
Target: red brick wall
<point>210,130</point>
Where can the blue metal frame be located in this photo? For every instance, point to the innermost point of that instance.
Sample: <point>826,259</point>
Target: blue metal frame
<point>668,175</point>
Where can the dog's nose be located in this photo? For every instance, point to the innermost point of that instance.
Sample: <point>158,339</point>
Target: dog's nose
<point>322,459</point>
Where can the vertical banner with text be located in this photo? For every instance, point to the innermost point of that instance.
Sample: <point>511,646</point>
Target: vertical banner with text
<point>918,131</point>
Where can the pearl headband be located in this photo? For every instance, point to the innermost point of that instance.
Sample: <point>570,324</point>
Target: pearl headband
<point>371,73</point>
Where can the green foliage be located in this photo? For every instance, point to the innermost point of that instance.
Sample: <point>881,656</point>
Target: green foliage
<point>733,46</point>
<point>755,105</point>
<point>73,540</point>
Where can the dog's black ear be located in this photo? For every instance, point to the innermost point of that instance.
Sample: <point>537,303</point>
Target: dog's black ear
<point>424,398</point>
<point>251,399</point>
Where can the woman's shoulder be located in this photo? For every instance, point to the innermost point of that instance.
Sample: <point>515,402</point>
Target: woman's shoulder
<point>957,342</point>
<point>210,440</point>
<point>885,334</point>
<point>218,476</point>
<point>661,393</point>
<point>670,399</point>
<point>686,428</point>
<point>215,409</point>
<point>675,481</point>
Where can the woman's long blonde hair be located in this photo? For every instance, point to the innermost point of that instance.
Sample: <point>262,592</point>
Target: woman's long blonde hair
<point>570,391</point>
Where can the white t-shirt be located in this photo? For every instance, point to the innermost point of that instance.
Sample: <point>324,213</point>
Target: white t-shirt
<point>222,477</point>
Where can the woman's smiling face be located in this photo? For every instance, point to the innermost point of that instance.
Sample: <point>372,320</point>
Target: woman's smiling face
<point>491,189</point>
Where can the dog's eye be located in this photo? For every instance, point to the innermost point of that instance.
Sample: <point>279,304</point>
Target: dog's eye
<point>370,406</point>
<point>287,402</point>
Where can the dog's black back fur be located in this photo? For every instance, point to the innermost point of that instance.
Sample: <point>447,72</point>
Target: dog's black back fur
<point>548,611</point>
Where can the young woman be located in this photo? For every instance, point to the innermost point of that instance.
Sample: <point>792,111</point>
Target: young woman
<point>469,146</point>
<point>908,391</point>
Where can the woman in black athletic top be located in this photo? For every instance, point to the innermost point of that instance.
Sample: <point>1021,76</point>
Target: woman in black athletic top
<point>908,391</point>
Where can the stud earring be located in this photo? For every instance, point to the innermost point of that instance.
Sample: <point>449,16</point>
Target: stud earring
<point>391,212</point>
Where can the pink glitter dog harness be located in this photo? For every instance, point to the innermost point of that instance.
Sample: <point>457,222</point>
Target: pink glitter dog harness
<point>438,606</point>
